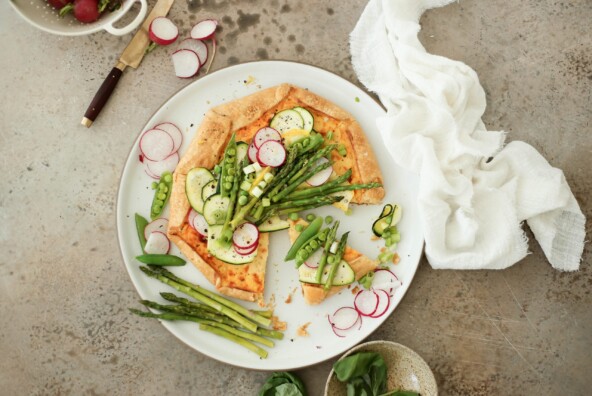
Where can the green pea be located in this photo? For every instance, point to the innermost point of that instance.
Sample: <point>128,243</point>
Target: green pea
<point>154,185</point>
<point>310,217</point>
<point>161,197</point>
<point>168,178</point>
<point>329,219</point>
<point>308,248</point>
<point>322,237</point>
<point>231,152</point>
<point>157,209</point>
<point>242,200</point>
<point>229,178</point>
<point>293,216</point>
<point>314,244</point>
<point>299,227</point>
<point>231,171</point>
<point>228,185</point>
<point>158,202</point>
<point>331,259</point>
<point>306,142</point>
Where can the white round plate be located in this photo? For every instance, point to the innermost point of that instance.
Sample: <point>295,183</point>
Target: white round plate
<point>186,109</point>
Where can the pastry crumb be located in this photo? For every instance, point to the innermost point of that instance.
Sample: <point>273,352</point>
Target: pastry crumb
<point>289,298</point>
<point>355,290</point>
<point>277,324</point>
<point>375,238</point>
<point>301,331</point>
<point>250,80</point>
<point>396,258</point>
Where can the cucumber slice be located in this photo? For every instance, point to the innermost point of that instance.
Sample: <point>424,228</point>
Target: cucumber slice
<point>241,151</point>
<point>387,210</point>
<point>273,224</point>
<point>209,189</point>
<point>344,275</point>
<point>215,208</point>
<point>286,120</point>
<point>197,178</point>
<point>306,117</point>
<point>382,224</point>
<point>225,252</point>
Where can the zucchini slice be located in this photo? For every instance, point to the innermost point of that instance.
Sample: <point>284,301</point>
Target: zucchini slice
<point>241,151</point>
<point>224,252</point>
<point>286,120</point>
<point>306,117</point>
<point>197,178</point>
<point>215,208</point>
<point>273,224</point>
<point>344,275</point>
<point>387,210</point>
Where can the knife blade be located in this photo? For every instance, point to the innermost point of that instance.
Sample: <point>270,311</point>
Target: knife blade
<point>131,56</point>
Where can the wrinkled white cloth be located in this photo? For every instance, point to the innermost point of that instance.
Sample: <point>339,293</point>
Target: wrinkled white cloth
<point>474,192</point>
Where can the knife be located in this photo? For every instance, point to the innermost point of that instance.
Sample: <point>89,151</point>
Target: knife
<point>131,56</point>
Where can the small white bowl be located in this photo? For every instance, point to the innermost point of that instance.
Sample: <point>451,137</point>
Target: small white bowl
<point>43,16</point>
<point>406,370</point>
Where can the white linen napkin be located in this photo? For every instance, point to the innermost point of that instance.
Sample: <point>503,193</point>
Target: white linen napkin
<point>474,193</point>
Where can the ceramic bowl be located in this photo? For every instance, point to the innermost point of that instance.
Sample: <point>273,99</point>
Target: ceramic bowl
<point>406,370</point>
<point>43,16</point>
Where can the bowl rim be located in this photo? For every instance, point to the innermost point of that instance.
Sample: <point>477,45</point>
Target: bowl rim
<point>92,27</point>
<point>406,349</point>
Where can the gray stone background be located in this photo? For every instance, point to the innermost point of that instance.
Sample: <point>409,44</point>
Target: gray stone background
<point>64,292</point>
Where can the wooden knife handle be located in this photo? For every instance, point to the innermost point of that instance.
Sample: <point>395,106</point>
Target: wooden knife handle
<point>102,95</point>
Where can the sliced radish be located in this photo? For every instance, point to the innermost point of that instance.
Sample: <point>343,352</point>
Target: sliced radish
<point>199,223</point>
<point>252,152</point>
<point>174,131</point>
<point>186,63</point>
<point>366,302</point>
<point>204,29</point>
<point>149,172</point>
<point>157,243</point>
<point>161,224</point>
<point>314,259</point>
<point>344,318</point>
<point>197,46</point>
<point>245,236</point>
<point>322,176</point>
<point>271,153</point>
<point>159,167</point>
<point>245,252</point>
<point>156,144</point>
<point>343,333</point>
<point>385,279</point>
<point>163,31</point>
<point>384,302</point>
<point>264,134</point>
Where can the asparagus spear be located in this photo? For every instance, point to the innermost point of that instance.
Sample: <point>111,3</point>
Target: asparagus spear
<point>328,243</point>
<point>241,341</point>
<point>336,260</point>
<point>312,205</point>
<point>313,190</point>
<point>202,298</point>
<point>216,298</point>
<point>299,180</point>
<point>319,201</point>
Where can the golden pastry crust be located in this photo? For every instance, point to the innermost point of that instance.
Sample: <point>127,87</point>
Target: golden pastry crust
<point>244,117</point>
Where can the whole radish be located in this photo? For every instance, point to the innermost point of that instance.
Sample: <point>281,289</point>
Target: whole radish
<point>85,11</point>
<point>58,3</point>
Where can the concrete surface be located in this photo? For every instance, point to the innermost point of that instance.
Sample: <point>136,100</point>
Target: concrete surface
<point>64,326</point>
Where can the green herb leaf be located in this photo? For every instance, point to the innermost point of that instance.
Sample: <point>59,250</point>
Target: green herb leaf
<point>362,367</point>
<point>283,384</point>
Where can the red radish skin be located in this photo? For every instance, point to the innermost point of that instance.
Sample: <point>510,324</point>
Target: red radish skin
<point>157,243</point>
<point>245,236</point>
<point>344,318</point>
<point>384,302</point>
<point>252,152</point>
<point>186,63</point>
<point>322,176</point>
<point>149,172</point>
<point>271,153</point>
<point>264,134</point>
<point>175,133</point>
<point>159,167</point>
<point>366,302</point>
<point>204,30</point>
<point>245,252</point>
<point>59,3</point>
<point>156,144</point>
<point>197,46</point>
<point>161,224</point>
<point>163,31</point>
<point>344,333</point>
<point>86,11</point>
<point>200,224</point>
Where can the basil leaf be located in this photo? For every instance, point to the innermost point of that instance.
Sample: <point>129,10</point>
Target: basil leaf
<point>283,384</point>
<point>363,367</point>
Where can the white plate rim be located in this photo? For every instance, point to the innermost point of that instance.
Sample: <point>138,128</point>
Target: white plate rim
<point>170,325</point>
